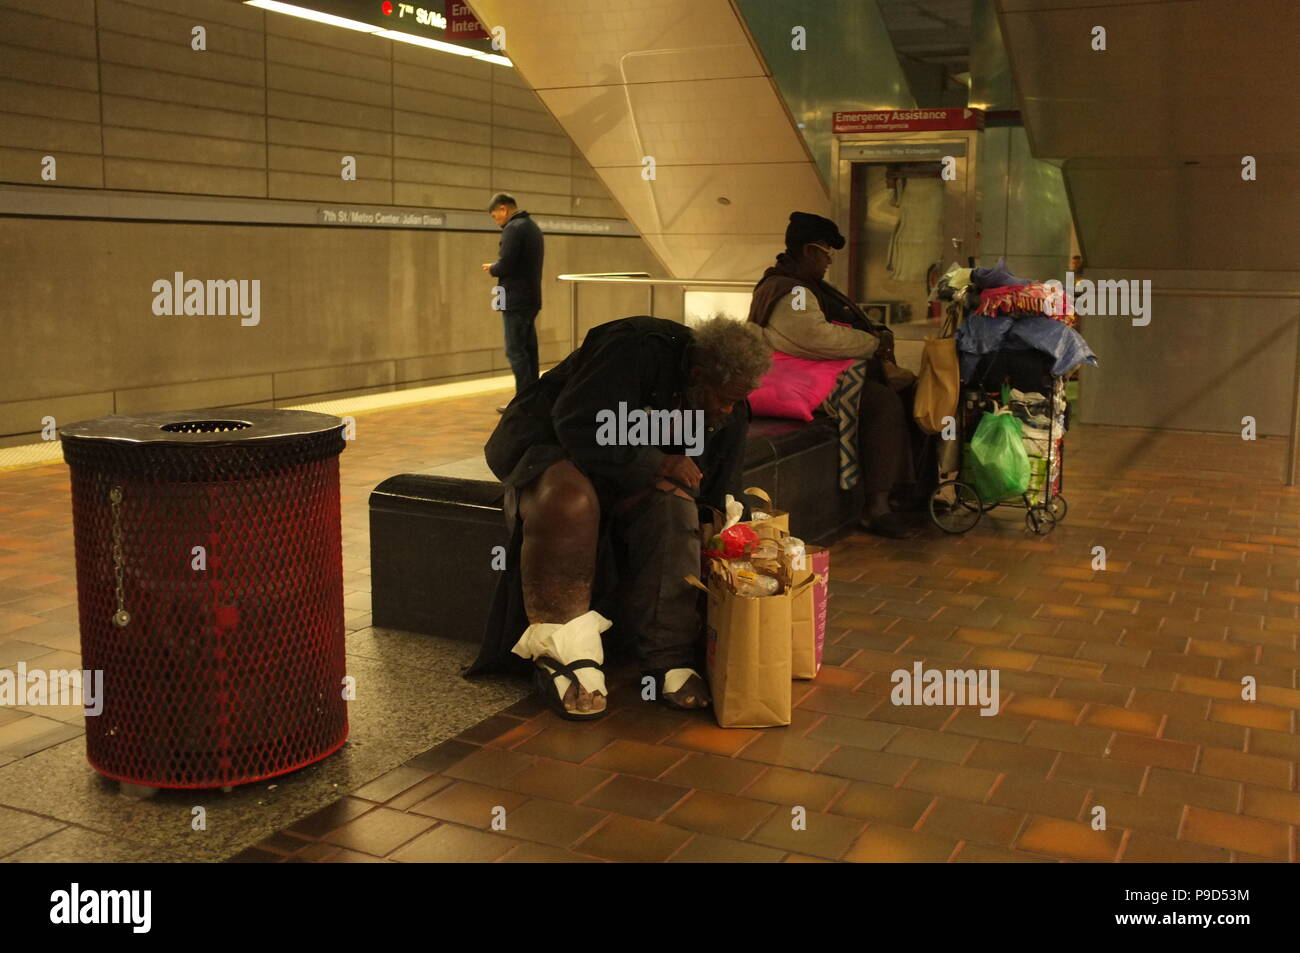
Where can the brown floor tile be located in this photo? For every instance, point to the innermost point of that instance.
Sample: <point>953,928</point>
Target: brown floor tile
<point>441,757</point>
<point>972,784</point>
<point>884,843</point>
<point>379,832</point>
<point>449,844</point>
<point>1076,739</point>
<point>782,747</point>
<point>550,822</point>
<point>637,797</point>
<point>702,736</point>
<point>1012,759</point>
<point>490,766</point>
<point>722,815</point>
<point>1175,704</point>
<point>1058,838</point>
<point>999,727</point>
<point>788,787</point>
<point>1102,693</point>
<point>1193,789</point>
<point>855,704</point>
<point>937,746</point>
<point>1274,744</point>
<point>1251,714</point>
<point>635,757</point>
<point>544,854</point>
<point>470,805</point>
<point>1055,709</point>
<point>1238,766</point>
<point>639,725</point>
<point>1149,814</point>
<point>489,730</point>
<point>330,817</point>
<point>896,806</point>
<point>1165,754</point>
<point>1145,848</point>
<point>714,773</point>
<point>704,849</point>
<point>414,795</point>
<point>1272,805</point>
<point>1040,797</point>
<point>1122,719</point>
<point>826,835</point>
<point>964,820</point>
<point>343,856</point>
<point>1208,733</point>
<point>982,854</point>
<point>574,744</point>
<point>635,840</point>
<point>1235,832</point>
<point>557,780</point>
<point>1099,772</point>
<point>858,732</point>
<point>864,765</point>
<point>389,785</point>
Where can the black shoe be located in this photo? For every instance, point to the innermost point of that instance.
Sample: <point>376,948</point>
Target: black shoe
<point>501,410</point>
<point>891,526</point>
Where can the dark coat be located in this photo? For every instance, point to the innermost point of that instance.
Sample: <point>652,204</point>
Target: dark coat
<point>643,361</point>
<point>519,262</point>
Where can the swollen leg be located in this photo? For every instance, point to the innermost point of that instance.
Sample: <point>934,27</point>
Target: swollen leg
<point>561,523</point>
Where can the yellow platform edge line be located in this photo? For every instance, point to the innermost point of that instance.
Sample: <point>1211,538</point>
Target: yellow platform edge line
<point>48,452</point>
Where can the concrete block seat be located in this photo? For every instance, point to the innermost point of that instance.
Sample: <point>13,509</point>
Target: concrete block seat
<point>432,532</point>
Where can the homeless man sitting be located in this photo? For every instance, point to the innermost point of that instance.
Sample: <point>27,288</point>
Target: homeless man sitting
<point>606,461</point>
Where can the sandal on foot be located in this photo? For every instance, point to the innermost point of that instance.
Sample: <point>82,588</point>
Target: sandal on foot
<point>544,675</point>
<point>692,696</point>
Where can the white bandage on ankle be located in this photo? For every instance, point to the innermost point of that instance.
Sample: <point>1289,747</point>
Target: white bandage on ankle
<point>576,639</point>
<point>675,678</point>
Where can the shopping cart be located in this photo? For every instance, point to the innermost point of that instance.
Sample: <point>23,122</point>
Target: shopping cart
<point>956,506</point>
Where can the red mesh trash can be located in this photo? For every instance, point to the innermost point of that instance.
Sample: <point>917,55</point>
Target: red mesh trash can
<point>218,674</point>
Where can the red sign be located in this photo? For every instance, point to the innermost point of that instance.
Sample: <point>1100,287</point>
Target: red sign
<point>908,120</point>
<point>461,23</point>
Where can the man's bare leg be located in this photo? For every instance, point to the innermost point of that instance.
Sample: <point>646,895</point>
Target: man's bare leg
<point>561,519</point>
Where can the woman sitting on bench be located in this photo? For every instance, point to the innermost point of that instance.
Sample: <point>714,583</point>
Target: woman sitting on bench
<point>803,316</point>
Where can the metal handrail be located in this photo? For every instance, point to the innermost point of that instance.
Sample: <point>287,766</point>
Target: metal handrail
<point>641,278</point>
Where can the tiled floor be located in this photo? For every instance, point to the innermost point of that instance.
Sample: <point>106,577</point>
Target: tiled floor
<point>1120,688</point>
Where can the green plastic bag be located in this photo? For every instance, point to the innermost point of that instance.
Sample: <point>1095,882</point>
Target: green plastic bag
<point>998,466</point>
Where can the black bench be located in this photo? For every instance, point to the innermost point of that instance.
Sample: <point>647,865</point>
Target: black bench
<point>432,533</point>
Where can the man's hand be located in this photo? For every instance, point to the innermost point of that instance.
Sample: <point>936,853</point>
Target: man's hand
<point>682,469</point>
<point>487,266</point>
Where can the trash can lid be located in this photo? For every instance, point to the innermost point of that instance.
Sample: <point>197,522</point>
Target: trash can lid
<point>205,427</point>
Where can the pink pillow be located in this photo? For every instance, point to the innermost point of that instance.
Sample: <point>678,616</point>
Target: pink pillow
<point>794,387</point>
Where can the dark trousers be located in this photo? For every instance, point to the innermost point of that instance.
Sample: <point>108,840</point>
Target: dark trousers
<point>893,451</point>
<point>521,344</point>
<point>657,544</point>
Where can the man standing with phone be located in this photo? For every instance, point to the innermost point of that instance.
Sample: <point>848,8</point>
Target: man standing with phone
<point>518,269</point>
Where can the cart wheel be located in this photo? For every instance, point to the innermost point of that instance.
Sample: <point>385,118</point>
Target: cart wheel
<point>1059,508</point>
<point>1040,520</point>
<point>955,507</point>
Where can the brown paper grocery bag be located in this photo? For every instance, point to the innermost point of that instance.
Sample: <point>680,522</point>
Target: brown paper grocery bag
<point>780,519</point>
<point>749,655</point>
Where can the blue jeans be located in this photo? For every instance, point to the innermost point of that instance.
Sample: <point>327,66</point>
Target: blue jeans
<point>521,344</point>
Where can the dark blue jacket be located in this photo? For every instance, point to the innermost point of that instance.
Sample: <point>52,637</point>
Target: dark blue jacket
<point>519,262</point>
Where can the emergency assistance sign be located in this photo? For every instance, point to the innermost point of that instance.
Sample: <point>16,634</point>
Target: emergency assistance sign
<point>908,120</point>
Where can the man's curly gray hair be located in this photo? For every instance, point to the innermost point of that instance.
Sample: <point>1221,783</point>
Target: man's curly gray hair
<point>731,351</point>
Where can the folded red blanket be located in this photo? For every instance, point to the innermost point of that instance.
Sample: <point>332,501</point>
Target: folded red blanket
<point>1019,300</point>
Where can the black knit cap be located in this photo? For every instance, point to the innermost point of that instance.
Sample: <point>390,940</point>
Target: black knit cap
<point>805,227</point>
